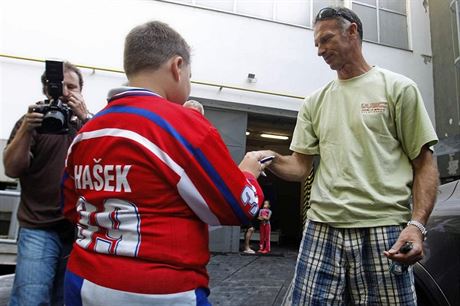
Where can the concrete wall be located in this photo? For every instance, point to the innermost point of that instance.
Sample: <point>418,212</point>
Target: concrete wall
<point>226,48</point>
<point>446,86</point>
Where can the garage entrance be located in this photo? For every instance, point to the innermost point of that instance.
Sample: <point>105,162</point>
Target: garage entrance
<point>285,197</point>
<point>246,130</point>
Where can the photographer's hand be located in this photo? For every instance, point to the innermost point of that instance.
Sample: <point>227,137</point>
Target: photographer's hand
<point>76,102</point>
<point>32,120</point>
<point>17,154</point>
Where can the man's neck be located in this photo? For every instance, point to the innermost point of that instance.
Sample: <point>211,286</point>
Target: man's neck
<point>353,70</point>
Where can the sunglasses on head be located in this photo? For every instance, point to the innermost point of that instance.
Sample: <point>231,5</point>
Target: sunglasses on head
<point>329,12</point>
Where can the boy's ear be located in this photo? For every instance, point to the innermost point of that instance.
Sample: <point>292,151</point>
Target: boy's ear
<point>176,67</point>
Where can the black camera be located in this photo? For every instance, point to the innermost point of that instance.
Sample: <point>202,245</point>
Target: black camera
<point>56,114</point>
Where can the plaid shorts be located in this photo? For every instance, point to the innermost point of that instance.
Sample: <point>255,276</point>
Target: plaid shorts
<point>338,266</point>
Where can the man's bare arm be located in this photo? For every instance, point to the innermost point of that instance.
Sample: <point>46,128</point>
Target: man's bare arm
<point>16,157</point>
<point>424,189</point>
<point>293,167</point>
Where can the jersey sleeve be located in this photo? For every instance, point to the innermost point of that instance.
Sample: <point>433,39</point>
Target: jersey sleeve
<point>224,194</point>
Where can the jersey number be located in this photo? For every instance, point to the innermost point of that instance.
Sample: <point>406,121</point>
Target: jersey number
<point>249,197</point>
<point>116,230</point>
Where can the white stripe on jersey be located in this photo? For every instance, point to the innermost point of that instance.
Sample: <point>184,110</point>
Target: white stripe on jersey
<point>185,186</point>
<point>95,295</point>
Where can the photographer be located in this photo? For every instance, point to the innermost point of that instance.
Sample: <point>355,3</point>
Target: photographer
<point>37,159</point>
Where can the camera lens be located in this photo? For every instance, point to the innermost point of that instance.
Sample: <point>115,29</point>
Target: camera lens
<point>53,121</point>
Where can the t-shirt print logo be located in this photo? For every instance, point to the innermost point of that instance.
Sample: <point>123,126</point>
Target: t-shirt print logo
<point>373,108</point>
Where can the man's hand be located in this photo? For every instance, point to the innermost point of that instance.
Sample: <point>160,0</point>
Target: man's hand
<point>424,195</point>
<point>16,157</point>
<point>76,102</point>
<point>410,233</point>
<point>293,167</point>
<point>32,120</point>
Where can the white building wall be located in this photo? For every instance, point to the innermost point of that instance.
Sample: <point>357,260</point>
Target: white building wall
<point>226,48</point>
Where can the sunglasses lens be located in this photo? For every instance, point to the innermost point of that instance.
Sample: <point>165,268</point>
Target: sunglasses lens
<point>330,12</point>
<point>326,13</point>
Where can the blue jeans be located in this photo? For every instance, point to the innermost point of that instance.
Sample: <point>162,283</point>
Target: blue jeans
<point>40,268</point>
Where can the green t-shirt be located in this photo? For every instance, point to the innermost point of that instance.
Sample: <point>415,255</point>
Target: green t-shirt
<point>366,130</point>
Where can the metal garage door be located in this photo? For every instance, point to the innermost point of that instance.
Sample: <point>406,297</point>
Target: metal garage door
<point>232,128</point>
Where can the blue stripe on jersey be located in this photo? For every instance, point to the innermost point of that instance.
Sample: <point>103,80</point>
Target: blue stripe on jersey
<point>65,176</point>
<point>200,157</point>
<point>221,185</point>
<point>72,289</point>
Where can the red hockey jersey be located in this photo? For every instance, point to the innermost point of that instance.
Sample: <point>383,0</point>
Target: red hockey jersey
<point>143,180</point>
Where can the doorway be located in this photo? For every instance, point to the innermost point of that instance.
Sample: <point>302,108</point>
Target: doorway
<point>241,130</point>
<point>285,197</point>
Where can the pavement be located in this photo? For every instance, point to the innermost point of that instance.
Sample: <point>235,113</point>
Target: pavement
<point>235,278</point>
<point>242,279</point>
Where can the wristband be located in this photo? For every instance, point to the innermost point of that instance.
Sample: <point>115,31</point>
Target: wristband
<point>420,226</point>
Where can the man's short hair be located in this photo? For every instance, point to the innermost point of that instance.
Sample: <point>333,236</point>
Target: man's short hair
<point>67,66</point>
<point>341,14</point>
<point>150,45</point>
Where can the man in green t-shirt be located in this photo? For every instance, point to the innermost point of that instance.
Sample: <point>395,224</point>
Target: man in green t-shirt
<point>373,136</point>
